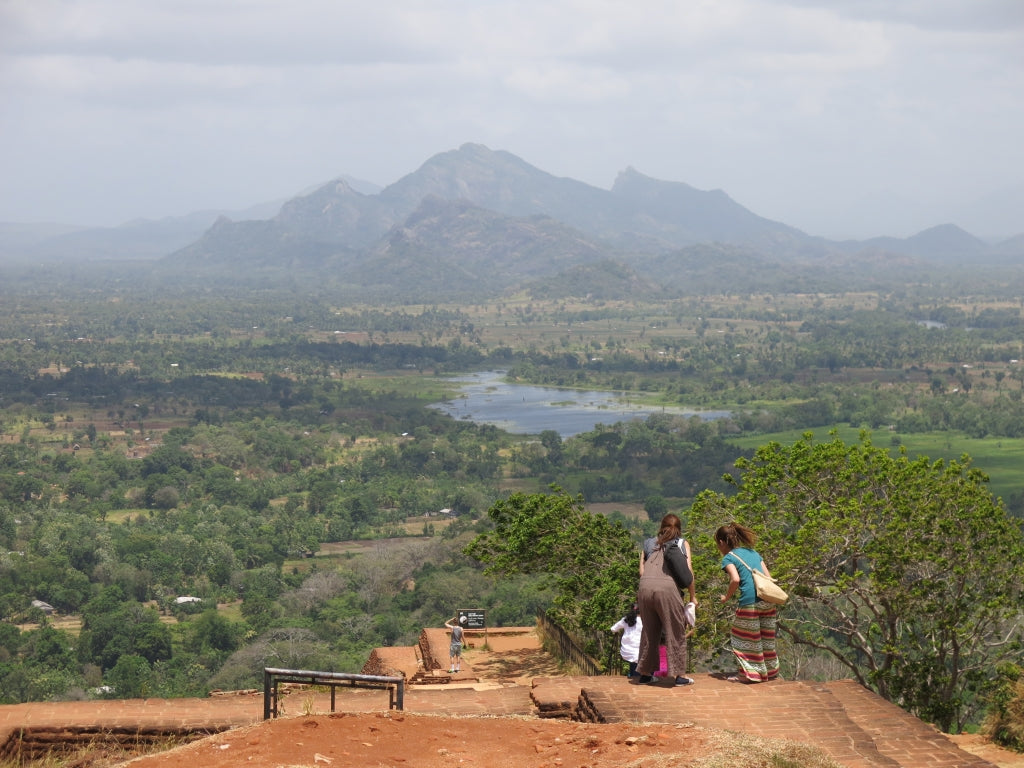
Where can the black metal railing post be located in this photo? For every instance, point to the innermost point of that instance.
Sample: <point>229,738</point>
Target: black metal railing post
<point>273,677</point>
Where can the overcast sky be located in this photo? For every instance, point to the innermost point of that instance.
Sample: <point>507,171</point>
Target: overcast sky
<point>845,118</point>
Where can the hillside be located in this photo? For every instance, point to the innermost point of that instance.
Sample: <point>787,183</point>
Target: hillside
<point>474,223</point>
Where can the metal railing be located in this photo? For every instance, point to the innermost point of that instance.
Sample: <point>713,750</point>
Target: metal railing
<point>568,648</point>
<point>272,678</point>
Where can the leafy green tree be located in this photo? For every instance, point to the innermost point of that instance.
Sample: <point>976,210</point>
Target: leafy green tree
<point>259,611</point>
<point>36,665</point>
<point>112,629</point>
<point>50,647</point>
<point>10,640</point>
<point>441,592</point>
<point>219,561</point>
<point>656,507</point>
<point>589,562</point>
<point>212,633</point>
<point>286,647</point>
<point>166,498</point>
<point>905,572</point>
<point>516,602</point>
<point>552,442</point>
<point>130,677</point>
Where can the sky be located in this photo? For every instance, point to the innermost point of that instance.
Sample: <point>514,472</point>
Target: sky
<point>844,118</point>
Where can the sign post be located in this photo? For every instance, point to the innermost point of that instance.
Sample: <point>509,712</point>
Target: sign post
<point>473,619</point>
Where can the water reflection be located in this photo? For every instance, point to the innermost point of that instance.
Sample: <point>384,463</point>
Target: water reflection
<point>524,409</point>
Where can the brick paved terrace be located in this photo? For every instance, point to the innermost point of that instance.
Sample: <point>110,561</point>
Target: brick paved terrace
<point>852,725</point>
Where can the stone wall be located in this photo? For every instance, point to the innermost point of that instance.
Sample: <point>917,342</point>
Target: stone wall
<point>434,644</point>
<point>403,660</point>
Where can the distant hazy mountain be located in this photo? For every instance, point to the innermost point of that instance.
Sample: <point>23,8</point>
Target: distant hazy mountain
<point>445,248</point>
<point>1010,249</point>
<point>27,235</point>
<point>144,239</point>
<point>637,214</point>
<point>337,213</point>
<point>637,208</point>
<point>484,222</point>
<point>942,243</point>
<point>451,246</point>
<point>477,222</point>
<point>681,215</point>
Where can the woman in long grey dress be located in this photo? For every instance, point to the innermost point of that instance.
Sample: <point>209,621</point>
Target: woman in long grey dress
<point>665,571</point>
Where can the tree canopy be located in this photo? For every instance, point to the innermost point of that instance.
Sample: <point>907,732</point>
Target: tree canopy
<point>907,572</point>
<point>589,561</point>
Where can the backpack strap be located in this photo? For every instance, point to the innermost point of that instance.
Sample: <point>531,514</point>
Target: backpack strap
<point>742,561</point>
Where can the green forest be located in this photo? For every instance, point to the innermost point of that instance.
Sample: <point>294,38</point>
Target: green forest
<point>272,459</point>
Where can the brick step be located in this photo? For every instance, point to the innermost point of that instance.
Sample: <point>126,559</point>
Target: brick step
<point>854,726</point>
<point>432,677</point>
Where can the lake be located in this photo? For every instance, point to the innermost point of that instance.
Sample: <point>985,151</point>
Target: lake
<point>524,409</point>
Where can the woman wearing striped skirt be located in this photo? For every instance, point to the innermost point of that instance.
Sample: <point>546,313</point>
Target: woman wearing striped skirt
<point>753,627</point>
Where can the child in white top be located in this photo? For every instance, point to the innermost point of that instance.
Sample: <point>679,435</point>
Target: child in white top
<point>631,628</point>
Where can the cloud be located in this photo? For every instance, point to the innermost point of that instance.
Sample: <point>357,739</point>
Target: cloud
<point>944,15</point>
<point>804,111</point>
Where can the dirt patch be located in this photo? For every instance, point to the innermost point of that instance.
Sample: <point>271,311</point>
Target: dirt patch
<point>635,511</point>
<point>986,750</point>
<point>513,659</point>
<point>505,642</point>
<point>72,624</point>
<point>426,741</point>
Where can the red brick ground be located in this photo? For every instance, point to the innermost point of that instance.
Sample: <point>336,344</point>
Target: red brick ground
<point>854,726</point>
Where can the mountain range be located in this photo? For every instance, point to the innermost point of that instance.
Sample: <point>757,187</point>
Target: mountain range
<point>474,222</point>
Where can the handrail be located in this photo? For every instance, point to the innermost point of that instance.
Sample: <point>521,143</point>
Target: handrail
<point>568,648</point>
<point>273,677</point>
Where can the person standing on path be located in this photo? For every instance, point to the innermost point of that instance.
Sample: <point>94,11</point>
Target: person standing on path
<point>753,627</point>
<point>665,570</point>
<point>631,626</point>
<point>455,649</point>
<point>649,546</point>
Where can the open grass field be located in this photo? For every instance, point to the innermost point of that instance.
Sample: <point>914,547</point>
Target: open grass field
<point>413,526</point>
<point>123,515</point>
<point>999,458</point>
<point>425,385</point>
<point>634,511</point>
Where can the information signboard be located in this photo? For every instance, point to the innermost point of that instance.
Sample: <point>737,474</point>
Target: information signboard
<point>472,618</point>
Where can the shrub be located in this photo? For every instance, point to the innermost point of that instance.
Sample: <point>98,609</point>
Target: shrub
<point>1004,723</point>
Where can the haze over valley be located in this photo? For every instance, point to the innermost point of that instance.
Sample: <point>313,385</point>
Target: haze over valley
<point>476,223</point>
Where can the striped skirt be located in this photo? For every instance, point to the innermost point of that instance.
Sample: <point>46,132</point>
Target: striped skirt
<point>753,641</point>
